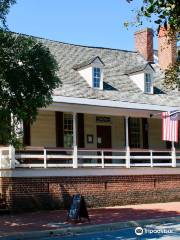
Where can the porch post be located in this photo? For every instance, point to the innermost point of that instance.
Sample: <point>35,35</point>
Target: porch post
<point>173,154</point>
<point>45,158</point>
<point>127,143</point>
<point>75,159</point>
<point>12,156</point>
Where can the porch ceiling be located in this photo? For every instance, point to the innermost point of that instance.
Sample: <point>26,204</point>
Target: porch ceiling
<point>106,107</point>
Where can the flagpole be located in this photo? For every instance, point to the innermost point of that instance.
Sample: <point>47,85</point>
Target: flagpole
<point>156,114</point>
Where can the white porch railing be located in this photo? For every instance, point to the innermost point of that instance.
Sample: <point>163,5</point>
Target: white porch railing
<point>45,158</point>
<point>102,158</point>
<point>96,158</point>
<point>151,158</point>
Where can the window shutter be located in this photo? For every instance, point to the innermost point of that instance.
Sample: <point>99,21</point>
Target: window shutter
<point>59,130</point>
<point>27,133</point>
<point>145,133</point>
<point>80,122</point>
<point>134,132</point>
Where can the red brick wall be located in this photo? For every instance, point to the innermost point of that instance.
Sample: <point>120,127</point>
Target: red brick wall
<point>144,43</point>
<point>55,192</point>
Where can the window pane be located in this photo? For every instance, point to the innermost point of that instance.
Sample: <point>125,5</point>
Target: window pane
<point>68,130</point>
<point>96,82</point>
<point>135,132</point>
<point>148,83</point>
<point>68,139</point>
<point>96,77</point>
<point>68,121</point>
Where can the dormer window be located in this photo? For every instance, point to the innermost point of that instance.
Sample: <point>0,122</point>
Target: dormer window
<point>92,71</point>
<point>148,83</point>
<point>96,77</point>
<point>142,76</point>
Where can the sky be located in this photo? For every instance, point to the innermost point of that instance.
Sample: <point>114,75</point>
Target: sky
<point>92,23</point>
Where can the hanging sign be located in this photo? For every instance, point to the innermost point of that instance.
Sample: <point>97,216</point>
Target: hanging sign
<point>103,119</point>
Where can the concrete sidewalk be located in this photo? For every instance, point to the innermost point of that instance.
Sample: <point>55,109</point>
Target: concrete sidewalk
<point>51,221</point>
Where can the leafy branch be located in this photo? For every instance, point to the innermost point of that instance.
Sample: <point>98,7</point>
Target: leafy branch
<point>165,12</point>
<point>4,10</point>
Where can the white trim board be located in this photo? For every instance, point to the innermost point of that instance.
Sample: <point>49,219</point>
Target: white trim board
<point>85,172</point>
<point>106,107</point>
<point>114,104</point>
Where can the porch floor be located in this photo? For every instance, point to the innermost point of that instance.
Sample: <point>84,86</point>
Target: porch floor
<point>42,172</point>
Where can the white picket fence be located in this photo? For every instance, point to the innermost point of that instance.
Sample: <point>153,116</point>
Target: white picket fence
<point>91,158</point>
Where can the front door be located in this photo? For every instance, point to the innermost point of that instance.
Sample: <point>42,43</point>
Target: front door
<point>104,137</point>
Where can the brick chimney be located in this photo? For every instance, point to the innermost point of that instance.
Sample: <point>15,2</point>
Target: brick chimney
<point>144,43</point>
<point>166,49</point>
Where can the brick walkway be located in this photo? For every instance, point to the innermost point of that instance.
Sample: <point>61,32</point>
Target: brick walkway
<point>49,220</point>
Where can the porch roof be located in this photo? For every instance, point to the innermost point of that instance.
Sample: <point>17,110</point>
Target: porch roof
<point>107,107</point>
<point>114,104</point>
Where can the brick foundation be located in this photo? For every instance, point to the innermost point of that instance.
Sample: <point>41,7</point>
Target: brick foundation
<point>34,193</point>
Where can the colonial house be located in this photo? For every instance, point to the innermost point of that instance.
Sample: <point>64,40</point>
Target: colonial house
<point>102,135</point>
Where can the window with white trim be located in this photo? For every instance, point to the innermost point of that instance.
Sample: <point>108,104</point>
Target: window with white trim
<point>68,130</point>
<point>96,77</point>
<point>148,83</point>
<point>134,128</point>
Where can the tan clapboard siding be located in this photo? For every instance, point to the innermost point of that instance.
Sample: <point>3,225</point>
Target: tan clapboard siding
<point>118,136</point>
<point>43,130</point>
<point>117,124</point>
<point>155,133</point>
<point>90,129</point>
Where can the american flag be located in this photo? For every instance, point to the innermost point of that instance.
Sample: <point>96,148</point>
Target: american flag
<point>170,126</point>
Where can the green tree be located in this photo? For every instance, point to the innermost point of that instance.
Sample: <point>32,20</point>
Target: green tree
<point>27,79</point>
<point>164,13</point>
<point>4,10</point>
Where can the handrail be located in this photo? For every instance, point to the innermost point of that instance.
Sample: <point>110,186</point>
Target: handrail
<point>102,149</point>
<point>47,148</point>
<point>92,149</point>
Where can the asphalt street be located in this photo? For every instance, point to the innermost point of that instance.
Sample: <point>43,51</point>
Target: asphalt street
<point>168,231</point>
